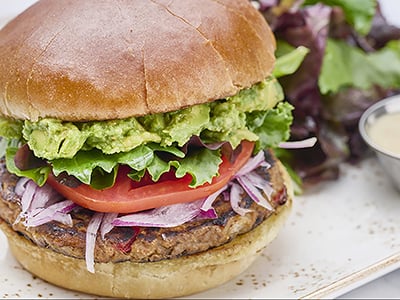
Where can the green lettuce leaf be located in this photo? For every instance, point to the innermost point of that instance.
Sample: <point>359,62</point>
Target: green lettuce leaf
<point>155,169</point>
<point>138,158</point>
<point>86,165</point>
<point>101,179</point>
<point>273,126</point>
<point>83,164</point>
<point>387,62</point>
<point>288,59</point>
<point>99,170</point>
<point>344,66</point>
<point>171,150</point>
<point>203,165</point>
<point>39,175</point>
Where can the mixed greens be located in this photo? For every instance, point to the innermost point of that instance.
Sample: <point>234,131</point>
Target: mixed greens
<point>353,61</point>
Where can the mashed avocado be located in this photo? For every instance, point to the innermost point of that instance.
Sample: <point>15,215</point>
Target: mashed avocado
<point>222,120</point>
<point>178,126</point>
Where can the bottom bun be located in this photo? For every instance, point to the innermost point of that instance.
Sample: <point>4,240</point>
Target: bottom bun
<point>167,278</point>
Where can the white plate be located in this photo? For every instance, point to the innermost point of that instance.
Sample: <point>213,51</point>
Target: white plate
<point>339,236</point>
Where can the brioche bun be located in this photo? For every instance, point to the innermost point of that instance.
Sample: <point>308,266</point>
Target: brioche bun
<point>76,61</point>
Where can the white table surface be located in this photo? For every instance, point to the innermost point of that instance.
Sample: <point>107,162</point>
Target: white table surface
<point>386,286</point>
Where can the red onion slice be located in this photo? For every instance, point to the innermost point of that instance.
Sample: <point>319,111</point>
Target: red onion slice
<point>40,216</point>
<point>34,197</point>
<point>45,196</point>
<point>166,216</point>
<point>208,214</point>
<point>67,208</point>
<point>307,143</point>
<point>91,234</point>
<point>21,186</point>
<point>65,219</point>
<point>106,225</point>
<point>235,198</point>
<point>27,196</point>
<point>253,192</point>
<point>207,204</point>
<point>225,195</point>
<point>261,183</point>
<point>253,163</point>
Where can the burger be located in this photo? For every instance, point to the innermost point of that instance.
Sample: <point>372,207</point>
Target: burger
<point>137,143</point>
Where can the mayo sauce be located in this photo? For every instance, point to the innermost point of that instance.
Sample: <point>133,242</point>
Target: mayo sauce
<point>385,133</point>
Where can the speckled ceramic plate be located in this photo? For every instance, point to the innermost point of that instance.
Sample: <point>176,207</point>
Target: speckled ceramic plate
<point>338,237</point>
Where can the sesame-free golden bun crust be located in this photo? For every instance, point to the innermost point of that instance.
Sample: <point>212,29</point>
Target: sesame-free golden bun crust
<point>80,60</point>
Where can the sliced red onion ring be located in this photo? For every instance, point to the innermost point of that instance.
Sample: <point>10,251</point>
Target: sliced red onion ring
<point>207,204</point>
<point>253,163</point>
<point>40,216</point>
<point>206,210</point>
<point>91,234</point>
<point>253,192</point>
<point>27,196</point>
<point>65,219</point>
<point>45,196</point>
<point>21,186</point>
<point>106,225</point>
<point>261,183</point>
<point>26,199</point>
<point>208,214</point>
<point>166,216</point>
<point>66,209</point>
<point>34,197</point>
<point>235,197</point>
<point>225,195</point>
<point>307,143</point>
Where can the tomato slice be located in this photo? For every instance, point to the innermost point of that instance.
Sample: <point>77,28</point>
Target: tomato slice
<point>127,196</point>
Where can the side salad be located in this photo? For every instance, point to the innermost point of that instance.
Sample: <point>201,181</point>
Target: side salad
<point>352,61</point>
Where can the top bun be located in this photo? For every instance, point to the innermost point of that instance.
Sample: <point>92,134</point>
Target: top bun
<point>81,60</point>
